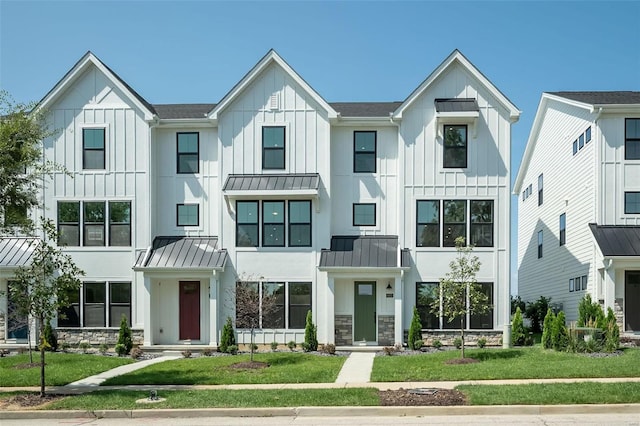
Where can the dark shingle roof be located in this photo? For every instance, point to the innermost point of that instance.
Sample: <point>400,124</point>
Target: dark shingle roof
<point>602,98</point>
<point>617,240</point>
<point>177,111</point>
<point>456,105</point>
<point>277,182</point>
<point>361,252</point>
<point>183,252</point>
<point>15,252</point>
<point>365,109</point>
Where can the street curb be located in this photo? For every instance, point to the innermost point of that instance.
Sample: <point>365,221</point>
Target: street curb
<point>413,411</point>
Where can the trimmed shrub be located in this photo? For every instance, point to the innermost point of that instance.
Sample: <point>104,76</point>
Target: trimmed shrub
<point>292,345</point>
<point>228,336</point>
<point>559,333</point>
<point>457,342</point>
<point>124,335</point>
<point>274,346</point>
<point>437,344</point>
<point>310,334</point>
<point>84,347</point>
<point>482,342</point>
<point>517,329</point>
<point>305,347</point>
<point>232,349</point>
<point>65,346</point>
<point>120,349</point>
<point>50,337</point>
<point>104,348</point>
<point>547,329</point>
<point>417,345</point>
<point>415,331</point>
<point>611,332</point>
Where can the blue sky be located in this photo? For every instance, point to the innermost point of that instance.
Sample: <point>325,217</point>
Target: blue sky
<point>183,52</point>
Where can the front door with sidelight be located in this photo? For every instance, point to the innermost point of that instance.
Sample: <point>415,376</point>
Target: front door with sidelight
<point>364,324</point>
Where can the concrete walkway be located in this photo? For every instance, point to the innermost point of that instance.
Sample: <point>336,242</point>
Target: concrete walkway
<point>357,368</point>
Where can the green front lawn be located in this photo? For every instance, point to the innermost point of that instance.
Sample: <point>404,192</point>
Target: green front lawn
<point>283,368</point>
<point>61,368</point>
<point>521,363</point>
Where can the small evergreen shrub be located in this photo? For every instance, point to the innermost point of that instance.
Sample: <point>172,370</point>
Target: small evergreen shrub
<point>417,345</point>
<point>291,345</point>
<point>310,334</point>
<point>415,331</point>
<point>517,329</point>
<point>50,337</point>
<point>457,342</point>
<point>120,349</point>
<point>84,347</point>
<point>232,349</point>
<point>437,344</point>
<point>305,347</point>
<point>274,346</point>
<point>611,332</point>
<point>104,348</point>
<point>546,329</point>
<point>482,342</point>
<point>186,353</point>
<point>65,346</point>
<point>252,347</point>
<point>136,353</point>
<point>329,348</point>
<point>559,333</point>
<point>228,336</point>
<point>124,335</point>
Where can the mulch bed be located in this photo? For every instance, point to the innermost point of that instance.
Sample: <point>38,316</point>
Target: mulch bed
<point>405,397</point>
<point>28,401</point>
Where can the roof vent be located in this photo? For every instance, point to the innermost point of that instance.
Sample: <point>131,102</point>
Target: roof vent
<point>274,102</point>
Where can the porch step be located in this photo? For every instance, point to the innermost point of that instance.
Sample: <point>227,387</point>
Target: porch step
<point>360,348</point>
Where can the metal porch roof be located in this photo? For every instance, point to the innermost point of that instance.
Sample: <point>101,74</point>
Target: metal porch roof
<point>16,251</point>
<point>276,182</point>
<point>361,251</point>
<point>183,252</point>
<point>617,240</point>
<point>456,105</point>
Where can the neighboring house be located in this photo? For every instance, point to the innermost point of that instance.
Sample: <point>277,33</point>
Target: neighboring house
<point>579,204</point>
<point>349,209</point>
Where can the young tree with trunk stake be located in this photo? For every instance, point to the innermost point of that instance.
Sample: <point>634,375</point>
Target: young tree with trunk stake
<point>458,285</point>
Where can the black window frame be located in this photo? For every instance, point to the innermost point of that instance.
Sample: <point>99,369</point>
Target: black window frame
<point>280,227</point>
<point>631,140</point>
<point>294,304</point>
<point>67,223</point>
<point>447,162</point>
<point>422,227</point>
<point>182,225</point>
<point>95,224</point>
<point>540,189</point>
<point>87,305</point>
<point>277,318</point>
<point>180,155</point>
<point>628,202</point>
<point>87,150</point>
<point>282,149</point>
<point>540,244</point>
<point>423,304</point>
<point>562,226</point>
<point>365,154</point>
<point>114,320</point>
<point>587,135</point>
<point>448,237</point>
<point>70,315</point>
<point>114,224</point>
<point>355,205</point>
<point>240,225</point>
<point>481,224</point>
<point>298,224</point>
<point>474,318</point>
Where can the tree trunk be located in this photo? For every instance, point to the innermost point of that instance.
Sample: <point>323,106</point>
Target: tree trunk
<point>42,364</point>
<point>251,345</point>
<point>462,338</point>
<point>29,341</point>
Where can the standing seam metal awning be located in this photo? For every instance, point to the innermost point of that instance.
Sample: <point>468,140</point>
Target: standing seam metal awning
<point>183,253</point>
<point>275,182</point>
<point>16,252</point>
<point>363,251</point>
<point>617,240</point>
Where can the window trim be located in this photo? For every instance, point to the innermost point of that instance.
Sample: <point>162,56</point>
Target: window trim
<point>180,154</point>
<point>445,148</point>
<point>629,139</point>
<point>85,223</point>
<point>283,149</point>
<point>182,225</point>
<point>374,152</point>
<point>103,149</point>
<point>353,216</point>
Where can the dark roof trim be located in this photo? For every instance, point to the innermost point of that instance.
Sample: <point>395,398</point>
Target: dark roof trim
<point>457,105</point>
<point>602,98</point>
<point>617,240</point>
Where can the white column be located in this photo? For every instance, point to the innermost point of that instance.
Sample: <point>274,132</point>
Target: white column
<point>330,311</point>
<point>609,286</point>
<point>213,310</point>
<point>148,331</point>
<point>398,290</point>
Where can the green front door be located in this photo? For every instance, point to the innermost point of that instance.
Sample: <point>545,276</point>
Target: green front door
<point>364,324</point>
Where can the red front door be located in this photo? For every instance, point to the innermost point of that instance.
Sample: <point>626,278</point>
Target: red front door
<point>189,310</point>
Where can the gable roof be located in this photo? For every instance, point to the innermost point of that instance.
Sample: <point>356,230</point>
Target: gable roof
<point>268,59</point>
<point>594,102</point>
<point>617,240</point>
<point>456,57</point>
<point>88,60</point>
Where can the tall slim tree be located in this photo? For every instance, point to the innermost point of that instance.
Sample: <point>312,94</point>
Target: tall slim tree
<point>43,287</point>
<point>458,287</point>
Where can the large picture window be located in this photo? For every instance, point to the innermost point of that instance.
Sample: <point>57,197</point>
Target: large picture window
<point>632,139</point>
<point>428,226</point>
<point>455,146</point>
<point>97,304</point>
<point>429,292</point>
<point>273,223</point>
<point>93,149</point>
<point>272,304</point>
<point>188,152</point>
<point>273,148</point>
<point>93,231</point>
<point>364,151</point>
<point>481,223</point>
<point>454,221</point>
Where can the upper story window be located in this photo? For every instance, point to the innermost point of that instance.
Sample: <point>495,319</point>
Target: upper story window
<point>273,223</point>
<point>582,140</point>
<point>481,223</point>
<point>454,221</point>
<point>277,227</point>
<point>187,215</point>
<point>188,152</point>
<point>273,148</point>
<point>364,214</point>
<point>540,241</point>
<point>632,139</point>
<point>455,146</point>
<point>632,202</point>
<point>94,229</point>
<point>300,224</point>
<point>563,229</point>
<point>93,149</point>
<point>364,151</point>
<point>587,135</point>
<point>540,178</point>
<point>428,223</point>
<point>247,224</point>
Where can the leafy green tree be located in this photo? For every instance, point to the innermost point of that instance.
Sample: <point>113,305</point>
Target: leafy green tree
<point>536,311</point>
<point>415,331</point>
<point>460,285</point>
<point>517,302</point>
<point>43,287</point>
<point>518,334</point>
<point>310,334</point>
<point>547,329</point>
<point>228,337</point>
<point>251,308</point>
<point>559,333</point>
<point>124,336</point>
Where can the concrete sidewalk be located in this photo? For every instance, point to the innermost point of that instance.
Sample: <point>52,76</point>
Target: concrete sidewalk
<point>357,368</point>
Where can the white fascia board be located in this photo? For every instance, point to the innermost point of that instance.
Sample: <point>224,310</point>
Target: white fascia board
<point>365,121</point>
<point>360,271</point>
<point>186,122</point>
<point>457,56</point>
<point>186,272</point>
<point>266,194</point>
<point>617,108</point>
<point>269,58</point>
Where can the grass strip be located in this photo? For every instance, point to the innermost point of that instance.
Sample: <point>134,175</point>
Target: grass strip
<point>61,368</point>
<point>553,394</point>
<point>283,368</point>
<point>519,363</point>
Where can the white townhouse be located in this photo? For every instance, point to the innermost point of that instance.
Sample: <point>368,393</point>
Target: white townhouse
<point>579,204</point>
<point>347,209</point>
